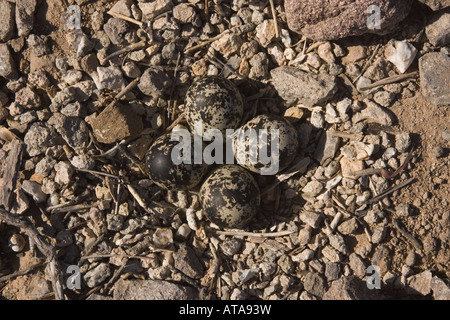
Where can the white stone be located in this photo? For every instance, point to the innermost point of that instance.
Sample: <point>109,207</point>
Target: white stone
<point>401,54</point>
<point>317,119</point>
<point>331,115</point>
<point>265,32</point>
<point>277,54</point>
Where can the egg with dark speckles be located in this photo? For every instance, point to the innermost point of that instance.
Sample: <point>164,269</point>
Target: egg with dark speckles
<point>230,196</point>
<point>213,102</point>
<point>170,174</point>
<point>264,152</point>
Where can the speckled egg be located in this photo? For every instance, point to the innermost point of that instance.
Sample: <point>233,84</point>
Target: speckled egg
<point>230,196</point>
<point>166,173</point>
<point>256,153</point>
<point>215,102</point>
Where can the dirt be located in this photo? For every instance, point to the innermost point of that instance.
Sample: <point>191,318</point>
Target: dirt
<point>429,195</point>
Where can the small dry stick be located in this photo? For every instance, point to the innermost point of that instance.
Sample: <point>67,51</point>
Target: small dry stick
<point>104,154</point>
<point>383,172</point>
<point>129,157</point>
<point>177,121</point>
<point>407,235</point>
<point>367,63</point>
<point>47,250</point>
<point>314,45</point>
<point>274,16</point>
<point>102,256</point>
<point>91,246</point>
<point>206,8</point>
<point>390,80</point>
<point>400,169</point>
<point>346,79</point>
<point>73,208</point>
<point>390,190</point>
<point>296,168</point>
<point>72,202</point>
<point>138,198</point>
<point>99,173</point>
<point>171,107</point>
<point>131,47</point>
<point>206,42</point>
<point>7,135</point>
<point>126,18</point>
<point>125,90</point>
<point>20,272</point>
<point>113,279</point>
<point>254,234</point>
<point>346,135</point>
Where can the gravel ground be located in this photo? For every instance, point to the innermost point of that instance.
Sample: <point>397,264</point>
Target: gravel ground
<point>87,86</point>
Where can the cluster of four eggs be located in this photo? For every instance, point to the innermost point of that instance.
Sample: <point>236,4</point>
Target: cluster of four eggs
<point>230,196</point>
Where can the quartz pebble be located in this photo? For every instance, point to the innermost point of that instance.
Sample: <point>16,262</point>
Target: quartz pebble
<point>401,54</point>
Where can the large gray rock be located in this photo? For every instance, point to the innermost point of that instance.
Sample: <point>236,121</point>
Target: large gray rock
<point>434,84</point>
<point>436,4</point>
<point>187,262</point>
<point>75,132</point>
<point>25,16</point>
<point>438,30</point>
<point>7,67</point>
<point>441,291</point>
<point>419,283</point>
<point>350,288</point>
<point>154,82</point>
<point>6,20</point>
<point>315,284</point>
<point>152,290</point>
<point>335,19</point>
<point>40,137</point>
<point>307,88</point>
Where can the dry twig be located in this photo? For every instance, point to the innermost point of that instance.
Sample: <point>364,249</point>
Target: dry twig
<point>131,47</point>
<point>253,234</point>
<point>47,250</point>
<point>21,272</point>
<point>407,235</point>
<point>274,16</point>
<point>390,80</point>
<point>390,190</point>
<point>126,18</point>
